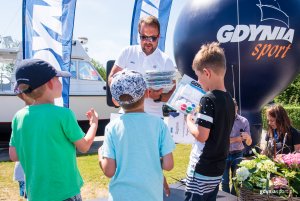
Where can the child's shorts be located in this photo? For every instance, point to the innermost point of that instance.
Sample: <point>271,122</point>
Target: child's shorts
<point>22,188</point>
<point>74,198</point>
<point>200,187</point>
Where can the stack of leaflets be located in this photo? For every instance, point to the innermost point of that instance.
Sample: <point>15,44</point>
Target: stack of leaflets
<point>160,80</point>
<point>186,97</point>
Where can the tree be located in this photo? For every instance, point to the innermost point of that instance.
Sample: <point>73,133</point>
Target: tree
<point>6,70</point>
<point>9,68</point>
<point>99,67</point>
<point>291,95</point>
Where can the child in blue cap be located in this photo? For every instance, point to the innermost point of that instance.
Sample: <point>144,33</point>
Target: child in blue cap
<point>45,136</point>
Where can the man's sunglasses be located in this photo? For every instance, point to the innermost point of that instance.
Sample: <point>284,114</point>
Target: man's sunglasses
<point>148,38</point>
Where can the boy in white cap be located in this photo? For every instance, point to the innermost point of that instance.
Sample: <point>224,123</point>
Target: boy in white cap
<point>137,145</point>
<point>45,136</point>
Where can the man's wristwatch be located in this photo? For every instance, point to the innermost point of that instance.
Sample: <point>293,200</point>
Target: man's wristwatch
<point>159,99</point>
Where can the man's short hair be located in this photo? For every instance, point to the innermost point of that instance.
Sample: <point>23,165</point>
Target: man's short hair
<point>151,21</point>
<point>212,56</point>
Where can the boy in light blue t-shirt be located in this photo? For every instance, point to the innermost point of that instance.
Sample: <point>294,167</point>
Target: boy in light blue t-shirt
<point>137,145</point>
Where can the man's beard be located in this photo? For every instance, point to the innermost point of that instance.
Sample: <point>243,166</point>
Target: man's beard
<point>147,50</point>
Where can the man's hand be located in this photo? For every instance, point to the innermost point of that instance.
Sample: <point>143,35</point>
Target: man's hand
<point>238,139</point>
<point>245,136</point>
<point>153,94</point>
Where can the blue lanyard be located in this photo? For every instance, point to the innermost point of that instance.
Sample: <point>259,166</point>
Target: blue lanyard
<point>275,135</point>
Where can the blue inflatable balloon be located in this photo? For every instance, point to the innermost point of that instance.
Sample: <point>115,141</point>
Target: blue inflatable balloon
<point>261,40</point>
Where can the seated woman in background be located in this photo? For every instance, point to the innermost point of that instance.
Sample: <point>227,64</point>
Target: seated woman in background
<point>282,137</point>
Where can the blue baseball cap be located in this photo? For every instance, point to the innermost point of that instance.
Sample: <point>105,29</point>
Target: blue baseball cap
<point>128,82</point>
<point>35,73</point>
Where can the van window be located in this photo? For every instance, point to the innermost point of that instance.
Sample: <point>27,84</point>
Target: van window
<point>73,70</point>
<point>86,71</point>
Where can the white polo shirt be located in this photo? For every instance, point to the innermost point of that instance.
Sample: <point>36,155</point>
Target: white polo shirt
<point>133,58</point>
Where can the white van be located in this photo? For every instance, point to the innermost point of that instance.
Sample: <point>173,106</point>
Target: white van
<point>87,89</point>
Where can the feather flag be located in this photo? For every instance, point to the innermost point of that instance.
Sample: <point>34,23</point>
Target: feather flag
<point>47,35</point>
<point>158,8</point>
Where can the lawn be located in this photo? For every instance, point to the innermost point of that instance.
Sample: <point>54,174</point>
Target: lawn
<point>95,183</point>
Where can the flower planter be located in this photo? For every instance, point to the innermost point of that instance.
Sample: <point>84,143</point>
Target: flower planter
<point>248,195</point>
<point>264,178</point>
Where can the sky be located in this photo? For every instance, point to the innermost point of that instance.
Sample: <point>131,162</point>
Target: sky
<point>106,24</point>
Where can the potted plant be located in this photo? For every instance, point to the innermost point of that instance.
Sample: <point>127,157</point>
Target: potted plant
<point>264,178</point>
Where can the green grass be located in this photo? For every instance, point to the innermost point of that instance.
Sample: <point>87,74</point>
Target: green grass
<point>181,159</point>
<point>95,183</point>
<point>9,189</point>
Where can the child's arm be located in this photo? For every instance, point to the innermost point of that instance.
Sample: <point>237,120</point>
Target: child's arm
<point>107,165</point>
<point>166,187</point>
<point>84,144</point>
<point>167,162</point>
<point>200,133</point>
<point>13,154</point>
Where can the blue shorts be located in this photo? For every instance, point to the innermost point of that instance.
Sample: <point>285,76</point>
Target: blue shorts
<point>22,188</point>
<point>74,198</point>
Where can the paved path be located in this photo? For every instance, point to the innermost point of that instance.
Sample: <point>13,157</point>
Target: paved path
<point>177,194</point>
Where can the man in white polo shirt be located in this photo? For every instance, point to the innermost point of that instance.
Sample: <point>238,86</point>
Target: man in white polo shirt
<point>146,56</point>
